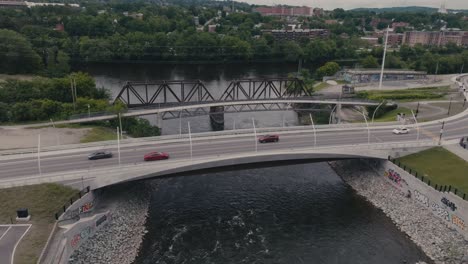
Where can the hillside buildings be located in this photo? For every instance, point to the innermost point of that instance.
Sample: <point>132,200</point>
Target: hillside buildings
<point>436,38</point>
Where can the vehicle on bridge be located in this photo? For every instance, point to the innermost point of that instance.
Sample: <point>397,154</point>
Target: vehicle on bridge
<point>401,130</point>
<point>268,138</point>
<point>156,156</point>
<point>100,155</point>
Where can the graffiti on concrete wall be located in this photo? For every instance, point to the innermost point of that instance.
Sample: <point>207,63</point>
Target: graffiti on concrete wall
<point>449,204</point>
<point>458,222</point>
<point>421,198</point>
<point>440,212</point>
<point>395,177</point>
<point>75,213</point>
<point>82,235</point>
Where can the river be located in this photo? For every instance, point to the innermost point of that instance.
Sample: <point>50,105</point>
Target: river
<point>216,78</point>
<point>300,213</point>
<point>290,214</point>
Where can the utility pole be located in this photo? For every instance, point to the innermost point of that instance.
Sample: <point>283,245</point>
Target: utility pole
<point>441,132</point>
<point>417,110</point>
<point>315,132</point>
<point>417,125</point>
<point>255,134</point>
<point>383,59</point>
<point>450,106</point>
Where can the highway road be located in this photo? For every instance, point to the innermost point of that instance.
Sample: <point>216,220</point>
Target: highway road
<point>77,160</point>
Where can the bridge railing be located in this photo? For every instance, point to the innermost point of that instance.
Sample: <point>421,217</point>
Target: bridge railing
<point>197,136</point>
<point>431,183</point>
<point>90,173</point>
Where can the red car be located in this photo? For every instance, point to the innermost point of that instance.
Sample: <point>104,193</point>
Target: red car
<point>156,156</point>
<point>268,138</point>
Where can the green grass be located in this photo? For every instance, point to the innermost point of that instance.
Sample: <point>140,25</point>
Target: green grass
<point>441,166</point>
<point>391,116</point>
<point>99,134</point>
<point>321,86</point>
<point>42,201</point>
<point>425,93</point>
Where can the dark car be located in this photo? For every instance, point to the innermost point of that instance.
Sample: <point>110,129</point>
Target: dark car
<point>268,138</point>
<point>156,156</point>
<point>100,155</point>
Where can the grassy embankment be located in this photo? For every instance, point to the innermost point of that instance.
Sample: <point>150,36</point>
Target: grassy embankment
<point>96,133</point>
<point>441,166</point>
<point>391,115</point>
<point>42,201</point>
<point>407,95</point>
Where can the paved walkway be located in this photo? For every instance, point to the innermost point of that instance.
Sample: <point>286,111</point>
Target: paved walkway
<point>458,150</point>
<point>10,236</point>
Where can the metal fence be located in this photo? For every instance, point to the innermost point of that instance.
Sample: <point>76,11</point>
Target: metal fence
<point>426,180</point>
<point>73,199</point>
<point>464,142</point>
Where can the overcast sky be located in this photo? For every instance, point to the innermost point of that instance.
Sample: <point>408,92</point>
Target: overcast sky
<point>347,4</point>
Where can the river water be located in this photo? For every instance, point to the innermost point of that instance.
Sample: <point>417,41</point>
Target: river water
<point>291,214</point>
<point>216,78</point>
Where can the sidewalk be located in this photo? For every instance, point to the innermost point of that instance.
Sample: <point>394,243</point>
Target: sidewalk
<point>458,150</point>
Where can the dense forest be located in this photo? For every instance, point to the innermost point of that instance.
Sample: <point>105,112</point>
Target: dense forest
<point>32,40</point>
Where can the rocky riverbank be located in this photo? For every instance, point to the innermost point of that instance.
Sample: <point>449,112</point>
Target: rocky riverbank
<point>440,243</point>
<point>120,240</point>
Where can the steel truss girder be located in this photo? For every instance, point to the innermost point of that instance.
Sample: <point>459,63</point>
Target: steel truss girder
<point>165,92</point>
<point>186,113</point>
<point>255,89</point>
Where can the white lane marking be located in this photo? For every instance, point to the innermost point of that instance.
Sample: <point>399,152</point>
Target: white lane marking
<point>8,229</point>
<point>17,243</point>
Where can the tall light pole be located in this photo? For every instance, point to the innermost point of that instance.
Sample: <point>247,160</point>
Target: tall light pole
<point>417,125</point>
<point>120,125</point>
<point>255,134</point>
<point>368,128</point>
<point>331,114</point>
<point>39,153</point>
<point>383,58</point>
<point>118,143</point>
<point>375,111</point>
<point>190,140</point>
<point>313,127</point>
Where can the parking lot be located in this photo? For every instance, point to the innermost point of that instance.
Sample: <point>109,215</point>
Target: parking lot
<point>10,237</point>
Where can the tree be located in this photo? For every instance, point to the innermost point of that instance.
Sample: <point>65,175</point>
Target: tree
<point>329,69</point>
<point>4,112</point>
<point>369,62</point>
<point>17,54</point>
<point>22,112</point>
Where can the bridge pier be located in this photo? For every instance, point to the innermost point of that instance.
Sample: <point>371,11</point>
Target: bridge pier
<point>217,118</point>
<point>159,121</point>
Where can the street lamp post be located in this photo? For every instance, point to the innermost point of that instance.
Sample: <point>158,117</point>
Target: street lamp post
<point>39,153</point>
<point>331,114</point>
<point>375,111</point>
<point>118,143</point>
<point>383,59</point>
<point>255,134</point>
<point>368,128</point>
<point>417,125</point>
<point>190,140</point>
<point>313,127</point>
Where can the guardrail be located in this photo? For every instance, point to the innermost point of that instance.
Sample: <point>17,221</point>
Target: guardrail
<point>73,199</point>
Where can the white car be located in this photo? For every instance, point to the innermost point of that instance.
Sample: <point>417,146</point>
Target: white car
<point>401,130</point>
